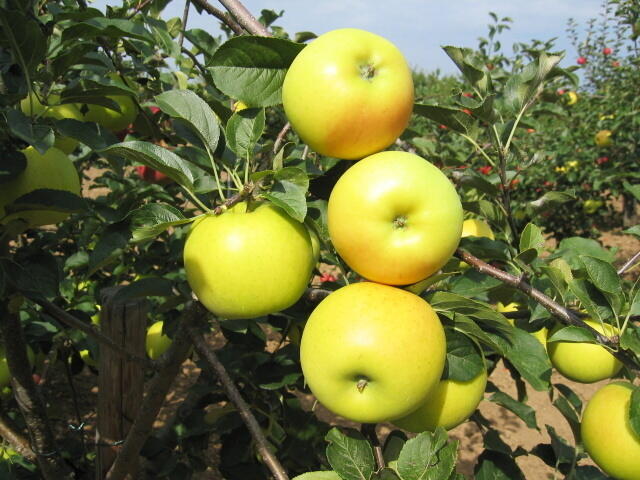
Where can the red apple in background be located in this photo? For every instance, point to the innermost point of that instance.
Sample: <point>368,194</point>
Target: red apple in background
<point>560,91</point>
<point>615,64</point>
<point>581,60</point>
<point>151,175</point>
<point>607,51</point>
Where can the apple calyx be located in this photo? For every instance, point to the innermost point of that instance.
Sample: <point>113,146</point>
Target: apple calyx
<point>367,71</point>
<point>400,222</point>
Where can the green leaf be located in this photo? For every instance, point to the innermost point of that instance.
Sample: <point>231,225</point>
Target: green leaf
<point>602,274</point>
<point>115,28</point>
<point>632,189</point>
<point>565,453</point>
<point>95,136</point>
<point>463,361</point>
<point>635,230</point>
<point>393,446</point>
<point>192,109</point>
<point>40,136</point>
<point>631,339</point>
<point>452,117</point>
<point>572,248</point>
<point>109,247</point>
<point>427,457</point>
<point>252,69</point>
<point>591,299</point>
<point>532,238</point>
<point>26,38</point>
<point>522,89</point>
<point>634,411</point>
<point>47,199</point>
<point>471,68</point>
<point>497,466</point>
<point>243,131</point>
<point>152,219</point>
<point>145,287</point>
<point>289,191</point>
<point>550,200</point>
<point>330,475</point>
<point>525,412</point>
<point>572,334</point>
<point>13,164</point>
<point>350,455</point>
<point>155,157</point>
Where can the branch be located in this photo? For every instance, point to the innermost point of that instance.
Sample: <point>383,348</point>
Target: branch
<point>629,263</point>
<point>369,431</point>
<point>155,395</point>
<point>220,15</point>
<point>64,317</point>
<point>246,191</point>
<point>250,421</point>
<point>565,315</point>
<point>244,18</point>
<point>280,137</point>
<point>8,432</point>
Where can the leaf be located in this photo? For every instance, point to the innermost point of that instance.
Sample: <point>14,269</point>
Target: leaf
<point>115,28</point>
<point>13,164</point>
<point>632,189</point>
<point>155,157</point>
<point>635,230</point>
<point>427,457</point>
<point>550,200</point>
<point>469,66</point>
<point>330,475</point>
<point>453,118</point>
<point>463,360</point>
<point>497,466</point>
<point>572,334</point>
<point>565,453</point>
<point>393,446</point>
<point>188,106</point>
<point>152,219</point>
<point>47,199</point>
<point>634,411</point>
<point>93,135</point>
<point>26,38</point>
<point>252,69</point>
<point>109,246</point>
<point>602,274</point>
<point>523,411</point>
<point>40,136</point>
<point>522,89</point>
<point>145,287</point>
<point>350,455</point>
<point>243,131</point>
<point>289,192</point>
<point>532,238</point>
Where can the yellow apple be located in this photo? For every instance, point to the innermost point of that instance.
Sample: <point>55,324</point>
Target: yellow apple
<point>584,362</point>
<point>87,358</point>
<point>112,119</point>
<point>53,170</point>
<point>348,94</point>
<point>474,227</point>
<point>603,138</point>
<point>606,432</point>
<point>394,218</point>
<point>572,98</point>
<point>372,352</point>
<point>156,343</point>
<point>540,335</point>
<point>248,263</point>
<point>449,404</point>
<point>31,106</point>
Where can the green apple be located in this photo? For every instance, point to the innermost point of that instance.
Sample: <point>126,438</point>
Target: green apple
<point>348,94</point>
<point>372,352</point>
<point>248,263</point>
<point>156,343</point>
<point>449,404</point>
<point>607,434</point>
<point>53,170</point>
<point>394,218</point>
<point>584,362</point>
<point>33,107</point>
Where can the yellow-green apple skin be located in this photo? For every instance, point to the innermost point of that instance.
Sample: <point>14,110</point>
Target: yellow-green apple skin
<point>603,138</point>
<point>53,170</point>
<point>87,358</point>
<point>245,264</point>
<point>33,107</point>
<point>394,218</point>
<point>156,342</point>
<point>584,362</point>
<point>315,246</point>
<point>449,404</point>
<point>5,375</point>
<point>372,352</point>
<point>607,434</point>
<point>348,94</point>
<point>476,228</point>
<point>540,335</point>
<point>112,119</point>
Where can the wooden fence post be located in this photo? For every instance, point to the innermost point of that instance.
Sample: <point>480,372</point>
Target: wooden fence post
<point>120,382</point>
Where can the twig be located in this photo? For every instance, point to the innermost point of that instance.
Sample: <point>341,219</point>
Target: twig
<point>316,295</point>
<point>244,18</point>
<point>369,431</point>
<point>64,317</point>
<point>155,396</point>
<point>629,263</point>
<point>220,15</point>
<point>280,137</point>
<point>246,191</point>
<point>564,314</point>
<point>8,432</point>
<point>185,17</point>
<point>232,392</point>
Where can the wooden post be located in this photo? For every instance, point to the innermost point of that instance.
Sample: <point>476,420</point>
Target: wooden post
<point>120,382</point>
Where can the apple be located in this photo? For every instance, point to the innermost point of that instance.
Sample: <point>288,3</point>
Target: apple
<point>348,94</point>
<point>449,404</point>
<point>372,352</point>
<point>112,119</point>
<point>394,218</point>
<point>581,60</point>
<point>5,375</point>
<point>33,107</point>
<point>572,98</point>
<point>584,362</point>
<point>156,342</point>
<point>246,263</point>
<point>606,432</point>
<point>591,206</point>
<point>53,170</point>
<point>603,138</point>
<point>540,335</point>
<point>474,227</point>
<point>151,175</point>
<point>607,51</point>
<point>87,358</point>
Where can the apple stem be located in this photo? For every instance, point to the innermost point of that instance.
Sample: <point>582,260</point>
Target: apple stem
<point>362,383</point>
